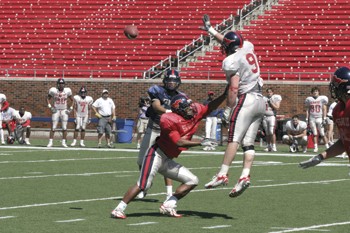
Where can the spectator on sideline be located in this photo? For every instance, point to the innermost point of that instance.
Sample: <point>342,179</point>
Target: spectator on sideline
<point>160,103</point>
<point>211,122</point>
<point>8,115</point>
<point>104,109</point>
<point>330,123</point>
<point>23,131</point>
<point>269,123</point>
<point>242,73</point>
<point>58,96</point>
<point>177,129</point>
<point>339,88</point>
<point>82,114</point>
<point>2,100</point>
<point>316,113</point>
<point>142,120</point>
<point>296,134</point>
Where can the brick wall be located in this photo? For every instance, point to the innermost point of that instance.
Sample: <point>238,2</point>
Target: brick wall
<point>125,93</point>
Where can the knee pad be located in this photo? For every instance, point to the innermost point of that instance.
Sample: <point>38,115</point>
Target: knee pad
<point>247,148</point>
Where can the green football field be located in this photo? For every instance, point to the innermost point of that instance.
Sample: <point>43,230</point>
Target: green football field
<point>75,189</point>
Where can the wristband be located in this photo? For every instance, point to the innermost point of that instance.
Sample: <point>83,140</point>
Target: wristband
<point>212,31</point>
<point>71,108</point>
<point>49,105</point>
<point>167,111</point>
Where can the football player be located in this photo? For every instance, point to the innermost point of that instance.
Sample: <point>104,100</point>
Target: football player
<point>177,129</point>
<point>330,123</point>
<point>82,114</point>
<point>8,121</point>
<point>296,134</point>
<point>340,90</point>
<point>316,114</point>
<point>273,102</point>
<point>245,104</point>
<point>2,100</point>
<point>59,96</point>
<point>23,131</point>
<point>160,103</point>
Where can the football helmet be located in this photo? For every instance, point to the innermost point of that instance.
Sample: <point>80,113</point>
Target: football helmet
<point>60,84</point>
<point>232,41</point>
<point>82,92</point>
<point>10,140</point>
<point>339,86</point>
<point>172,80</point>
<point>182,105</point>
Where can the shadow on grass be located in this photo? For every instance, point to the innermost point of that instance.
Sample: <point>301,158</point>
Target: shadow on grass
<point>204,215</point>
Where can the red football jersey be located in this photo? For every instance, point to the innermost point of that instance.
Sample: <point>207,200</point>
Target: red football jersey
<point>173,127</point>
<point>341,117</point>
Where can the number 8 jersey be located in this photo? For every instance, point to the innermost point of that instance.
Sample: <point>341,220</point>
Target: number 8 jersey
<point>245,64</point>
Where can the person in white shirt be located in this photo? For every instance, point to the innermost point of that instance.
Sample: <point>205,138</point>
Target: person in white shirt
<point>59,96</point>
<point>316,111</point>
<point>245,105</point>
<point>2,100</point>
<point>296,134</point>
<point>23,131</point>
<point>82,114</point>
<point>330,123</point>
<point>269,123</point>
<point>8,122</point>
<point>104,109</point>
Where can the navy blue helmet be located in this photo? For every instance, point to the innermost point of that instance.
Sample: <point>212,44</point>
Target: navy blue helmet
<point>232,41</point>
<point>181,105</point>
<point>340,83</point>
<point>172,80</point>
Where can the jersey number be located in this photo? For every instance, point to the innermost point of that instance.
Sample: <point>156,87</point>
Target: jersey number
<point>315,108</point>
<point>252,61</point>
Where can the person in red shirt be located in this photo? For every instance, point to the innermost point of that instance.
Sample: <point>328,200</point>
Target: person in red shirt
<point>177,129</point>
<point>340,90</point>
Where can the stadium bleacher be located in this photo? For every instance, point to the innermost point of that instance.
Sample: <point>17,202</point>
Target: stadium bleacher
<point>50,38</point>
<point>295,36</point>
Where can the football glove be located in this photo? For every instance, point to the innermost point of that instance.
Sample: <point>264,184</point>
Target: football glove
<point>206,23</point>
<point>53,109</point>
<point>311,162</point>
<point>208,142</point>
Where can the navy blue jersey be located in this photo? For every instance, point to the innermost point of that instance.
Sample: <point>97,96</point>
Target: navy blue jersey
<point>160,93</point>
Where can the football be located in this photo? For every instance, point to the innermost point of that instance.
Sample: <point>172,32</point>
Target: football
<point>131,32</point>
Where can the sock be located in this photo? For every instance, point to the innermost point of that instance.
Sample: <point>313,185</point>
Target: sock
<point>63,141</point>
<point>273,145</point>
<point>121,206</point>
<point>50,140</point>
<point>245,172</point>
<point>223,170</point>
<point>74,141</point>
<point>169,190</point>
<point>81,141</point>
<point>171,201</point>
<point>315,145</point>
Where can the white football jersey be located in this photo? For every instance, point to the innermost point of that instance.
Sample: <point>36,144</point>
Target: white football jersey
<point>315,106</point>
<point>21,119</point>
<point>245,64</point>
<point>296,130</point>
<point>2,98</point>
<point>273,99</point>
<point>83,105</point>
<point>8,115</point>
<point>60,97</point>
<point>330,109</point>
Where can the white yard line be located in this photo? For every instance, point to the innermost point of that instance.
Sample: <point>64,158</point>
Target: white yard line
<point>70,220</point>
<point>142,223</point>
<point>216,227</point>
<point>6,217</point>
<point>159,194</point>
<point>312,227</point>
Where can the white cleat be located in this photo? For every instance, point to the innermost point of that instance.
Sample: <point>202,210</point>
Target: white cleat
<point>217,181</point>
<point>73,144</point>
<point>64,145</point>
<point>316,149</point>
<point>170,211</point>
<point>118,214</point>
<point>82,144</point>
<point>242,184</point>
<point>50,144</point>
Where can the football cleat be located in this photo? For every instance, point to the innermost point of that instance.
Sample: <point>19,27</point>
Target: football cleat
<point>73,143</point>
<point>118,214</point>
<point>267,149</point>
<point>316,149</point>
<point>242,184</point>
<point>170,211</point>
<point>50,144</point>
<point>64,145</point>
<point>311,162</point>
<point>142,195</point>
<point>217,181</point>
<point>82,144</point>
